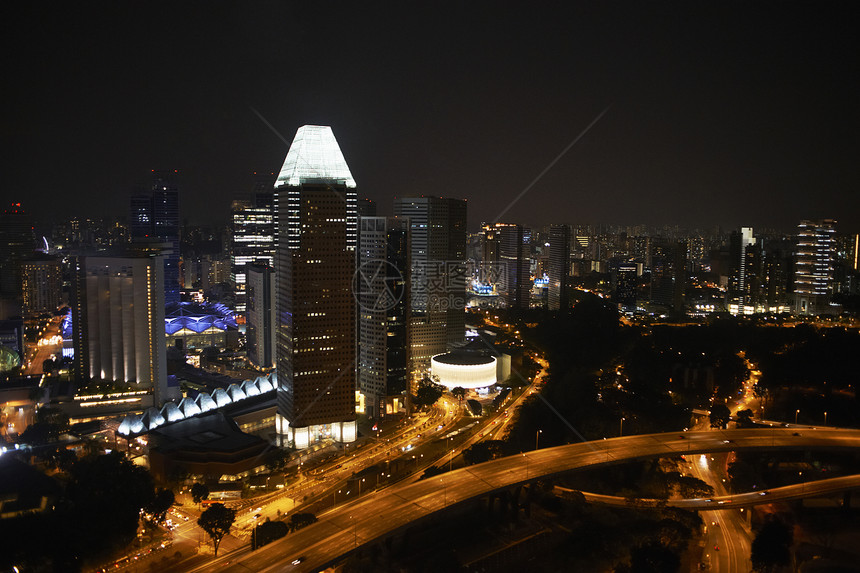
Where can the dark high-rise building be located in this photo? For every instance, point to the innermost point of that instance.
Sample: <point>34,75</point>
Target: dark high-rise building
<point>438,233</point>
<point>514,258</point>
<point>318,219</point>
<point>252,239</point>
<point>559,267</point>
<point>154,220</point>
<point>16,244</point>
<point>260,315</point>
<point>382,290</point>
<point>366,207</point>
<point>814,264</point>
<point>668,272</point>
<point>626,284</point>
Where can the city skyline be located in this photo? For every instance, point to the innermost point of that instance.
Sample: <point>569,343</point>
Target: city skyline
<point>717,116</point>
<point>436,287</point>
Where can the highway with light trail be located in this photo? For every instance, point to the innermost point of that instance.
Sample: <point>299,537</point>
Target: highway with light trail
<point>389,511</point>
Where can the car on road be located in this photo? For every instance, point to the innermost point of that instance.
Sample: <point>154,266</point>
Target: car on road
<point>298,560</point>
<point>762,493</point>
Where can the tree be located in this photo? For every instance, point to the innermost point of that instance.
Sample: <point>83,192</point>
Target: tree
<point>483,452</point>
<point>199,492</point>
<point>720,415</point>
<point>654,557</point>
<point>299,520</point>
<point>267,532</point>
<point>217,521</point>
<point>50,423</point>
<point>103,501</point>
<point>745,418</point>
<point>277,459</point>
<point>158,507</point>
<point>692,487</point>
<point>428,392</point>
<point>743,476</point>
<point>771,547</point>
<point>459,393</point>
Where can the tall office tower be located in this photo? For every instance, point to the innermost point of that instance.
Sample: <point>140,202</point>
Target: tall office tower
<point>559,267</point>
<point>489,269</point>
<point>261,315</point>
<point>42,285</point>
<point>741,244</point>
<point>626,283</point>
<point>438,233</point>
<point>514,257</point>
<point>16,244</point>
<point>252,239</point>
<point>777,273</point>
<point>154,220</point>
<point>118,321</point>
<point>316,309</point>
<point>814,264</point>
<point>668,272</point>
<point>382,289</point>
<point>855,252</point>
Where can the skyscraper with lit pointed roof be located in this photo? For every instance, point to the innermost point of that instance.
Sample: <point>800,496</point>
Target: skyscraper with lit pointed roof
<point>318,217</point>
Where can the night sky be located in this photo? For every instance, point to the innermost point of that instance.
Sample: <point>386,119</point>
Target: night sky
<point>721,113</point>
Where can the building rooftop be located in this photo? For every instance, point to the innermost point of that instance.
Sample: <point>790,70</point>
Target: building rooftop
<point>314,157</point>
<point>464,358</point>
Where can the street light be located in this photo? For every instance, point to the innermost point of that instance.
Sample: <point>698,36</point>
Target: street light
<point>796,412</point>
<point>537,435</point>
<point>825,418</point>
<point>621,427</point>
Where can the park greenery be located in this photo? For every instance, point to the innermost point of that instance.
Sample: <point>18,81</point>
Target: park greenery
<point>97,513</point>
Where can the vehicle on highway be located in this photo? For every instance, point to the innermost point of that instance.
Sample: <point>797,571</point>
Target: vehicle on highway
<point>762,493</point>
<point>298,560</point>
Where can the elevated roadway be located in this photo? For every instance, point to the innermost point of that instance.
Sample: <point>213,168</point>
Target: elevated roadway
<point>388,511</point>
<point>719,502</point>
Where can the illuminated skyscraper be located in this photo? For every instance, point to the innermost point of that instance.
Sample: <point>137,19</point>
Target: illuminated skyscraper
<point>118,321</point>
<point>438,234</point>
<point>382,288</point>
<point>42,285</point>
<point>814,265</point>
<point>253,239</point>
<point>318,218</point>
<point>489,271</point>
<point>515,261</point>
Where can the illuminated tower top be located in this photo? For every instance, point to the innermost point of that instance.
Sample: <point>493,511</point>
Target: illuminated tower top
<point>314,157</point>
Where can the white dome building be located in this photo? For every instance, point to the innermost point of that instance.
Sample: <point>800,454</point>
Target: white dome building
<point>465,369</point>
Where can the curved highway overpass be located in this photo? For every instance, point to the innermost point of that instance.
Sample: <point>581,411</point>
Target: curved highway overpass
<point>393,509</point>
<point>797,491</point>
